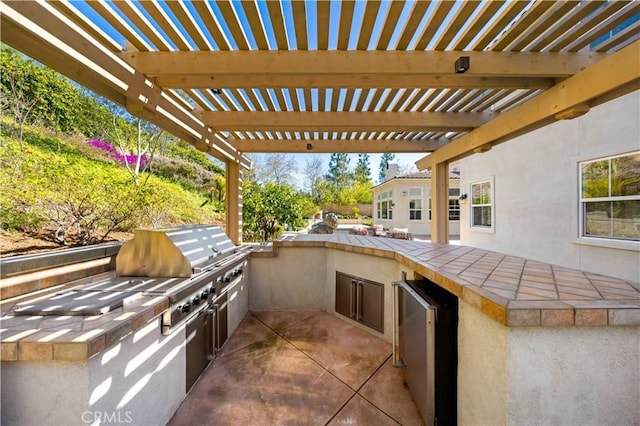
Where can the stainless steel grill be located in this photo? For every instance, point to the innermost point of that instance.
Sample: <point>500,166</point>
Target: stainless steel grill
<point>189,265</point>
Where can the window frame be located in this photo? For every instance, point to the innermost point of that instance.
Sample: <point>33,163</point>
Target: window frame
<point>491,204</point>
<point>584,201</point>
<point>384,204</point>
<point>420,199</point>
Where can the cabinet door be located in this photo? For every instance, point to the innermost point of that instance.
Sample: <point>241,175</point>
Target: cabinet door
<point>371,304</point>
<point>345,287</point>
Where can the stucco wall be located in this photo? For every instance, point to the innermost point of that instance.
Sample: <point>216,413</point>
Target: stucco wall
<point>401,207</point>
<point>139,381</point>
<point>482,368</point>
<point>536,190</point>
<point>577,375</point>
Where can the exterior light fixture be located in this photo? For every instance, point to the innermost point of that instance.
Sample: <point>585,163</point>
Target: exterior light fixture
<point>309,147</point>
<point>462,64</point>
<point>216,91</point>
<point>463,196</point>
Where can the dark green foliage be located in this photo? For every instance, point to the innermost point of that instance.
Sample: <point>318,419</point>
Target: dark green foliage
<point>269,208</point>
<point>339,174</point>
<point>386,157</point>
<point>363,169</point>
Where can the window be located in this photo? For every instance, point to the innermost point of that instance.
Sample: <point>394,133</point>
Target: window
<point>415,203</point>
<point>385,205</point>
<point>454,208</point>
<point>610,197</point>
<point>482,204</point>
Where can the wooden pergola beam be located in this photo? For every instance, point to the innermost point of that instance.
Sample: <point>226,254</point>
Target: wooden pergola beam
<point>618,70</point>
<point>365,62</point>
<point>354,146</point>
<point>343,121</point>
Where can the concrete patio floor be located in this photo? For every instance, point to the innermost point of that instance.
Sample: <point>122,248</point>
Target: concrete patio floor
<point>300,368</point>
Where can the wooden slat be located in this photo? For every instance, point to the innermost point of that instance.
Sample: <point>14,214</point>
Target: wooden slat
<point>253,100</point>
<point>583,10</point>
<point>465,102</point>
<point>368,21</point>
<point>308,99</point>
<point>277,23</point>
<point>210,24</point>
<point>255,23</point>
<point>232,22</point>
<point>267,99</point>
<point>143,24</point>
<point>460,18</point>
<point>198,98</point>
<point>293,95</point>
<point>406,94</point>
<point>621,39</point>
<point>335,97</point>
<point>300,24</point>
<point>348,99</point>
<point>364,94</point>
<point>587,23</point>
<point>455,98</point>
<point>390,23</point>
<point>620,18</point>
<point>190,26</point>
<point>280,99</point>
<point>534,31</point>
<point>322,96</point>
<point>215,105</point>
<point>346,22</point>
<point>68,9</point>
<point>390,97</point>
<point>507,15</point>
<point>435,22</point>
<point>486,13</point>
<point>161,18</point>
<point>527,19</point>
<point>375,99</point>
<point>120,25</point>
<point>322,19</point>
<point>446,96</point>
<point>408,32</point>
<point>513,101</point>
<point>425,103</point>
<point>477,103</point>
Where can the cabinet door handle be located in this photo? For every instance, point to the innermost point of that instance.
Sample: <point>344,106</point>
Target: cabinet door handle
<point>359,301</point>
<point>352,300</point>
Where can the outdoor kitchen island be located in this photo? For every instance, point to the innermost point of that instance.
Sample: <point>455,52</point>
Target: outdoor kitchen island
<point>537,343</point>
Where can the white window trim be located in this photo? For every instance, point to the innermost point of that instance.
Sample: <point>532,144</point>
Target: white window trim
<point>594,241</point>
<point>483,229</point>
<point>416,197</point>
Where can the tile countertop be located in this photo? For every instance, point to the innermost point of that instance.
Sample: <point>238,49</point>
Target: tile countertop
<point>514,291</point>
<point>71,338</point>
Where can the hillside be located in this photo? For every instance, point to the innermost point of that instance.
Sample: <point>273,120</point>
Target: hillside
<point>60,191</point>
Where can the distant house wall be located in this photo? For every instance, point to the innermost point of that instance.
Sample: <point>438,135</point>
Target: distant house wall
<point>536,183</point>
<point>401,218</point>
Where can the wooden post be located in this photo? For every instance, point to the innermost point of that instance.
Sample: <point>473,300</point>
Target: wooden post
<point>234,202</point>
<point>440,203</point>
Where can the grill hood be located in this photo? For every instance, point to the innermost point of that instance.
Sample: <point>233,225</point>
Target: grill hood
<point>172,252</point>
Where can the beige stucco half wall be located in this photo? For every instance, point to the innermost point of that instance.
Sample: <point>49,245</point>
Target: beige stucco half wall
<point>506,375</point>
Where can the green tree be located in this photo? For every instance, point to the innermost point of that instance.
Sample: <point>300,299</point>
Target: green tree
<point>384,160</point>
<point>339,174</point>
<point>268,208</point>
<point>363,169</point>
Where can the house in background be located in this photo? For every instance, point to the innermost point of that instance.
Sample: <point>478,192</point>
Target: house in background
<point>404,201</point>
<point>567,193</point>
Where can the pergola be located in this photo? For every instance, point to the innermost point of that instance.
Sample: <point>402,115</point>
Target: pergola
<point>447,78</point>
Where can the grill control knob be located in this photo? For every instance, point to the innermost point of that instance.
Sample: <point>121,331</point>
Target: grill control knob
<point>185,308</point>
<point>196,300</point>
<point>227,278</point>
<point>204,294</point>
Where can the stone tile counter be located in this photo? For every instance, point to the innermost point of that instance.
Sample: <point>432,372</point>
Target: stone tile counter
<point>536,343</point>
<point>71,338</point>
<point>511,290</point>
